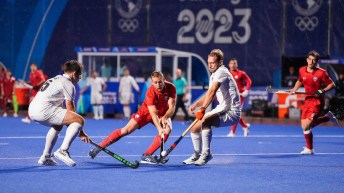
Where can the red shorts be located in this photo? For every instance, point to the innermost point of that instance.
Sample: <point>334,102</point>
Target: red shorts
<point>142,117</point>
<point>311,108</point>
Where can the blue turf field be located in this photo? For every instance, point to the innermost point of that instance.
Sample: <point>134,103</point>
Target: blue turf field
<point>267,161</point>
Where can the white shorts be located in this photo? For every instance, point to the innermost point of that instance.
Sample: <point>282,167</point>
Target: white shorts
<point>96,99</point>
<point>227,118</point>
<point>47,116</point>
<point>125,98</point>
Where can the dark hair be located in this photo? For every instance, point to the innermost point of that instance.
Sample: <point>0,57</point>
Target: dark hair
<point>315,54</point>
<point>72,66</point>
<point>157,74</point>
<point>218,54</point>
<point>232,59</point>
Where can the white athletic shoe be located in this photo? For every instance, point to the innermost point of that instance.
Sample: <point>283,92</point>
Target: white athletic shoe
<point>332,118</point>
<point>64,156</point>
<point>307,151</point>
<point>4,115</point>
<point>15,115</point>
<point>203,159</point>
<point>96,117</point>
<point>231,134</point>
<point>192,159</point>
<point>26,120</point>
<point>246,129</point>
<point>47,160</point>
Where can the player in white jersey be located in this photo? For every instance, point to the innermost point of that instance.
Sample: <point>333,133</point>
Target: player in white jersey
<point>126,84</point>
<point>226,113</point>
<point>47,109</point>
<point>98,86</point>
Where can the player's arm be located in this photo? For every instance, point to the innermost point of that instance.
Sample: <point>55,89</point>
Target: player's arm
<point>41,82</point>
<point>154,114</point>
<point>196,104</point>
<point>298,84</point>
<point>104,87</point>
<point>70,105</point>
<point>248,82</point>
<point>170,111</point>
<point>84,89</point>
<point>208,98</point>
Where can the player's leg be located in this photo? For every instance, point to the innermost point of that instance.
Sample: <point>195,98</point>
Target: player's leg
<point>125,101</point>
<point>15,105</point>
<point>308,135</point>
<point>50,142</point>
<point>196,138</point>
<point>100,106</point>
<point>147,157</point>
<point>131,126</point>
<point>75,123</point>
<point>94,106</point>
<point>4,105</point>
<point>245,126</point>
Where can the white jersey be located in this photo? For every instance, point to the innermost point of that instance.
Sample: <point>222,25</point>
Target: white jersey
<point>228,93</point>
<point>46,107</point>
<point>96,84</point>
<point>127,83</point>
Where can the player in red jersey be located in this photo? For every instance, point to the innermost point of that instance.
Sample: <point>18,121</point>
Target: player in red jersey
<point>36,80</point>
<point>315,80</point>
<point>7,87</point>
<point>157,108</point>
<point>244,84</point>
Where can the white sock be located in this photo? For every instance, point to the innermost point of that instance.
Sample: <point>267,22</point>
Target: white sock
<point>95,110</point>
<point>197,142</point>
<point>126,111</point>
<point>50,141</point>
<point>206,140</point>
<point>101,111</point>
<point>72,131</point>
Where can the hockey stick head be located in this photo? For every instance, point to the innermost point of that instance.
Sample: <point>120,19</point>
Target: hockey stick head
<point>135,165</point>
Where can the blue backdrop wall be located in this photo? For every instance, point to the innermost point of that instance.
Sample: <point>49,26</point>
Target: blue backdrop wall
<point>258,33</point>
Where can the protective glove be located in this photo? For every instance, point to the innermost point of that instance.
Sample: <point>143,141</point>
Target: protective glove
<point>200,113</point>
<point>320,92</point>
<point>36,87</point>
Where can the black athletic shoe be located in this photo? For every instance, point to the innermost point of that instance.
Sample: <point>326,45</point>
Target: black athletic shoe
<point>94,152</point>
<point>148,159</point>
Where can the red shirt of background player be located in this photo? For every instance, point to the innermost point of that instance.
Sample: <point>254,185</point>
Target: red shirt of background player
<point>8,84</point>
<point>241,78</point>
<point>36,77</point>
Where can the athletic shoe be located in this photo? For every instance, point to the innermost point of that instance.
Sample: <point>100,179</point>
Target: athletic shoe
<point>307,151</point>
<point>64,156</point>
<point>15,115</point>
<point>47,160</point>
<point>26,120</point>
<point>231,134</point>
<point>96,117</point>
<point>4,115</point>
<point>148,159</point>
<point>246,129</point>
<point>203,159</point>
<point>332,118</point>
<point>192,159</point>
<point>94,152</point>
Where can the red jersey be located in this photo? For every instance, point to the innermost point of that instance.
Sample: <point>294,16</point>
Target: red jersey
<point>241,78</point>
<point>159,99</point>
<point>315,80</point>
<point>7,85</point>
<point>36,77</point>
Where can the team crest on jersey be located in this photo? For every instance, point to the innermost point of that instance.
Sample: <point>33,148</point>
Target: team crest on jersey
<point>315,79</point>
<point>137,116</point>
<point>236,76</point>
<point>165,97</point>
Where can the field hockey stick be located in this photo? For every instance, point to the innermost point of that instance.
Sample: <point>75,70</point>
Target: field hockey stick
<point>162,156</point>
<point>119,158</point>
<point>180,138</point>
<point>279,91</point>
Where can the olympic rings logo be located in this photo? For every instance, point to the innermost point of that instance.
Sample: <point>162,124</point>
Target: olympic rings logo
<point>306,23</point>
<point>128,25</point>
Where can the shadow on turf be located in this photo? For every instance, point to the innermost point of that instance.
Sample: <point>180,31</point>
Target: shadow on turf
<point>165,167</point>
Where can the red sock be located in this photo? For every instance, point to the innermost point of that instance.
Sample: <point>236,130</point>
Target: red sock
<point>233,128</point>
<point>319,120</point>
<point>155,144</point>
<point>112,138</point>
<point>309,140</point>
